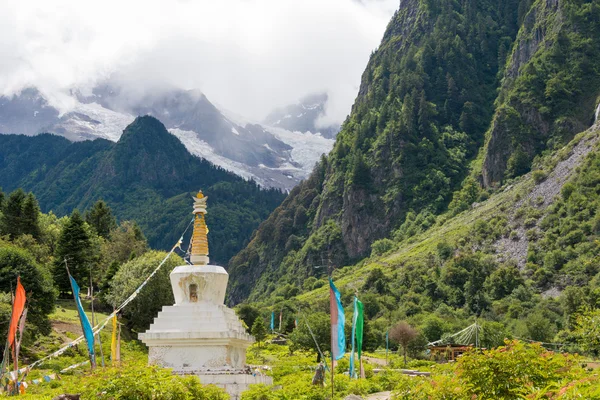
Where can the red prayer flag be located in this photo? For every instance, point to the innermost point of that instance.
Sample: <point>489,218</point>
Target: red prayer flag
<point>18,306</point>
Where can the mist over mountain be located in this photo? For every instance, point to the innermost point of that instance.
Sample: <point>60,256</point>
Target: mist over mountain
<point>272,156</point>
<point>303,116</point>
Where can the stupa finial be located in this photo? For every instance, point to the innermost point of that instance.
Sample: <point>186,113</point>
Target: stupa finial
<point>199,254</point>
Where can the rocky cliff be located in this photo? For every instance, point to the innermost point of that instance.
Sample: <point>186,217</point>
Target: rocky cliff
<point>549,89</point>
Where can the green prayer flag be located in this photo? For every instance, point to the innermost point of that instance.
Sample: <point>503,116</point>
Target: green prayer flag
<point>359,326</point>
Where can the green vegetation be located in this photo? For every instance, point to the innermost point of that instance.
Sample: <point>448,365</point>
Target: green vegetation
<point>140,313</point>
<point>513,371</point>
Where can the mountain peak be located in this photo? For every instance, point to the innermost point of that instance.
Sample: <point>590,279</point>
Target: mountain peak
<point>150,134</point>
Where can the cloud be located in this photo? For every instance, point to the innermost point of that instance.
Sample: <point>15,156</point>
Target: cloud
<point>246,55</point>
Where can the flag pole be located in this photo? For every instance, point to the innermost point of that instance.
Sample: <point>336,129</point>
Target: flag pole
<point>94,316</point>
<point>92,361</point>
<point>12,352</point>
<point>332,344</point>
<point>387,339</point>
<point>332,361</point>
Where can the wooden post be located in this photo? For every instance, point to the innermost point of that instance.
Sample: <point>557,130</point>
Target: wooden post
<point>332,367</point>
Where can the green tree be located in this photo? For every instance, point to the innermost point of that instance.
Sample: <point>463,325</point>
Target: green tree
<point>36,280</point>
<point>433,327</point>
<point>157,293</point>
<point>101,218</point>
<point>30,214</point>
<point>124,241</point>
<point>2,200</point>
<point>503,281</point>
<point>539,327</point>
<point>248,313</point>
<point>493,334</point>
<point>320,325</point>
<point>259,330</point>
<point>587,331</point>
<point>74,246</point>
<point>11,223</point>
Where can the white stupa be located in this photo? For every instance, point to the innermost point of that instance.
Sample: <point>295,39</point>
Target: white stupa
<point>199,335</point>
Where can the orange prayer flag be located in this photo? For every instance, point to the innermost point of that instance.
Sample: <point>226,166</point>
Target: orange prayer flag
<point>18,306</point>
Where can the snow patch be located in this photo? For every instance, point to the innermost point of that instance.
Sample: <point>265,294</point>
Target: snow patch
<point>102,122</point>
<point>234,131</point>
<point>202,149</point>
<point>307,148</point>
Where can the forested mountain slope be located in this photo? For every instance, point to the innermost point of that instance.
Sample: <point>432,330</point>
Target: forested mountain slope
<point>429,130</point>
<point>147,176</point>
<point>424,104</point>
<point>550,88</point>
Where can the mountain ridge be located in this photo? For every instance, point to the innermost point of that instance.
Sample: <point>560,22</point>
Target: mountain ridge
<point>147,176</point>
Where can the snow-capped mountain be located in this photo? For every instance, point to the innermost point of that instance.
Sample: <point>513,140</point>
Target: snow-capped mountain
<point>303,116</point>
<point>272,156</point>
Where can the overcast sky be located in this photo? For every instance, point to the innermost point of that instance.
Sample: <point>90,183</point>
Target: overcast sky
<point>248,56</point>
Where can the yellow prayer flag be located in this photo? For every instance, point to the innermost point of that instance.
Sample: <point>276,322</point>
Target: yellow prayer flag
<point>113,344</point>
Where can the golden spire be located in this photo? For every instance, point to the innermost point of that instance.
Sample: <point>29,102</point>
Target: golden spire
<point>199,254</point>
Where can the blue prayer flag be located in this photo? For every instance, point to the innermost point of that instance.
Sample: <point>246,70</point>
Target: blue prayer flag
<point>338,338</point>
<point>88,333</point>
<point>272,321</point>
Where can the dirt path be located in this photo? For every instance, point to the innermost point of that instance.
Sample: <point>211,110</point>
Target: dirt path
<point>372,360</point>
<point>380,396</point>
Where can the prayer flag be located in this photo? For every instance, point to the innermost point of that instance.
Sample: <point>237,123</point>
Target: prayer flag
<point>338,339</point>
<point>360,320</point>
<point>272,321</point>
<point>357,332</point>
<point>387,341</point>
<point>280,318</point>
<point>17,310</point>
<point>354,318</point>
<point>118,355</point>
<point>88,333</point>
<point>113,343</point>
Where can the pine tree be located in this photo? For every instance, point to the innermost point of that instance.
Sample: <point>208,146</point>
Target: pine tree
<point>12,216</point>
<point>259,330</point>
<point>100,217</point>
<point>2,200</point>
<point>30,216</point>
<point>74,246</point>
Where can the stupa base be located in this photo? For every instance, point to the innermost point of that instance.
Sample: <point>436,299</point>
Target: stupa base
<point>234,384</point>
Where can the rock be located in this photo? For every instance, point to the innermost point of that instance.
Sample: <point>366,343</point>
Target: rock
<point>67,397</point>
<point>353,397</point>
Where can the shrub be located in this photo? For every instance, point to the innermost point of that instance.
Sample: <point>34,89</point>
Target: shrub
<point>530,222</point>
<point>381,246</point>
<point>539,175</point>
